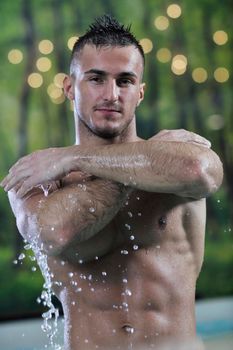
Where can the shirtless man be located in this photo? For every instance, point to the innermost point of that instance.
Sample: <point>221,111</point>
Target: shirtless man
<point>124,222</point>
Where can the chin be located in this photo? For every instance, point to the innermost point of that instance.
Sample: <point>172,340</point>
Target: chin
<point>106,134</point>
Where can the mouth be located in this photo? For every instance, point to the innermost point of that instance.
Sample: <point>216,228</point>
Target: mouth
<point>108,109</point>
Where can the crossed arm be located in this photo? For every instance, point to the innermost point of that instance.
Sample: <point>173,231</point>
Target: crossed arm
<point>175,162</point>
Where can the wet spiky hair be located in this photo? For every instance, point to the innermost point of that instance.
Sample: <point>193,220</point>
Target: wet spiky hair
<point>107,31</point>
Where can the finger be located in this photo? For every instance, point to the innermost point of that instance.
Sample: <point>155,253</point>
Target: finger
<point>24,189</point>
<point>13,180</point>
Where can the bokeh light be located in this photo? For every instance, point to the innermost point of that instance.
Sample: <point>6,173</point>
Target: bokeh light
<point>54,92</point>
<point>221,75</point>
<point>161,22</point>
<point>199,75</point>
<point>58,79</point>
<point>71,41</point>
<point>35,80</point>
<point>15,56</point>
<point>58,100</point>
<point>147,45</point>
<point>215,122</point>
<point>43,64</point>
<point>163,55</point>
<point>179,64</point>
<point>174,11</point>
<point>45,46</point>
<point>220,37</point>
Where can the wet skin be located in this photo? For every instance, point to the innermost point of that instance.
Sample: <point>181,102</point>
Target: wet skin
<point>131,282</point>
<point>138,292</point>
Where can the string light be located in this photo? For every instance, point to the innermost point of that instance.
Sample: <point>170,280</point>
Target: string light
<point>174,11</point>
<point>179,64</point>
<point>199,75</point>
<point>15,56</point>
<point>43,64</point>
<point>147,45</point>
<point>220,37</point>
<point>58,80</point>
<point>35,80</point>
<point>163,55</point>
<point>215,122</point>
<point>71,41</point>
<point>221,75</point>
<point>161,23</point>
<point>45,46</point>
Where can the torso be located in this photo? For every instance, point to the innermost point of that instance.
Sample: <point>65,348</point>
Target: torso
<point>143,290</point>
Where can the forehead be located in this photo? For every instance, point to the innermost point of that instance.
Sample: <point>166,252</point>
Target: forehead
<point>112,59</point>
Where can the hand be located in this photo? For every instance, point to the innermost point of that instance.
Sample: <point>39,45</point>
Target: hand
<point>38,168</point>
<point>182,135</point>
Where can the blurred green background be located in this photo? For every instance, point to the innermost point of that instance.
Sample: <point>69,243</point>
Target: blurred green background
<point>189,60</point>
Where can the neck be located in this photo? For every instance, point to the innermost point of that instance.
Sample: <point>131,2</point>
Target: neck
<point>84,136</point>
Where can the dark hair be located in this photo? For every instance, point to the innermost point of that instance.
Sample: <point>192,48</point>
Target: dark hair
<point>106,31</point>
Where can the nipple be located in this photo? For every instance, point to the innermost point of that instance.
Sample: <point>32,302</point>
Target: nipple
<point>128,329</point>
<point>163,222</point>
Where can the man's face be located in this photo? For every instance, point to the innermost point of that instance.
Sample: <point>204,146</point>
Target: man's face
<point>107,88</point>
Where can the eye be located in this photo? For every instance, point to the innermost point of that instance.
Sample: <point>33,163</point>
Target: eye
<point>124,82</point>
<point>97,79</point>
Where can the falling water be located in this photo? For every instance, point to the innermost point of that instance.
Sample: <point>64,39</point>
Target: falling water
<point>50,317</point>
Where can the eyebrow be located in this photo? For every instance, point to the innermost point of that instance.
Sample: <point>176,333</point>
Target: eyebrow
<point>104,73</point>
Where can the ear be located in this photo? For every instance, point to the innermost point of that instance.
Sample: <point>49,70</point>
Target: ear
<point>141,93</point>
<point>68,87</point>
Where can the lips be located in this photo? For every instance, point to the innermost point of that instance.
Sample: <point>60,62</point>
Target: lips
<point>109,109</point>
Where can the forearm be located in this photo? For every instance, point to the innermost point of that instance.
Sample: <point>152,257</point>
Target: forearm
<point>76,213</point>
<point>168,167</point>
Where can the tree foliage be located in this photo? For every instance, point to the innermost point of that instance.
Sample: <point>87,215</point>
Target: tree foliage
<point>31,119</point>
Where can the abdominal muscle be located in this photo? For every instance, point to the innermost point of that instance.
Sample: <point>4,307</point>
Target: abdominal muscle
<point>142,292</point>
<point>122,301</point>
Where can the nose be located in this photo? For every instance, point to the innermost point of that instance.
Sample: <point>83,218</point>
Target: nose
<point>111,92</point>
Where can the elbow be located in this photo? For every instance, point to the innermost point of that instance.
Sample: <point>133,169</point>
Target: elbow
<point>208,175</point>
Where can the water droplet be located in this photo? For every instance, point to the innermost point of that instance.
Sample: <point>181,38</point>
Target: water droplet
<point>139,214</point>
<point>86,341</point>
<point>125,304</point>
<point>128,227</point>
<point>158,246</point>
<point>52,228</point>
<point>80,261</point>
<point>124,280</point>
<point>15,262</point>
<point>124,252</point>
<point>27,246</point>
<point>70,274</point>
<point>91,210</point>
<point>96,258</point>
<point>32,257</point>
<point>135,247</point>
<point>104,273</point>
<point>73,303</point>
<point>92,289</point>
<point>79,290</point>
<point>128,292</point>
<point>129,329</point>
<point>130,214</point>
<point>33,268</point>
<point>131,237</point>
<point>21,256</point>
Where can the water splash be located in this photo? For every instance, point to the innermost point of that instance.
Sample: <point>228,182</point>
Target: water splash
<point>50,317</point>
